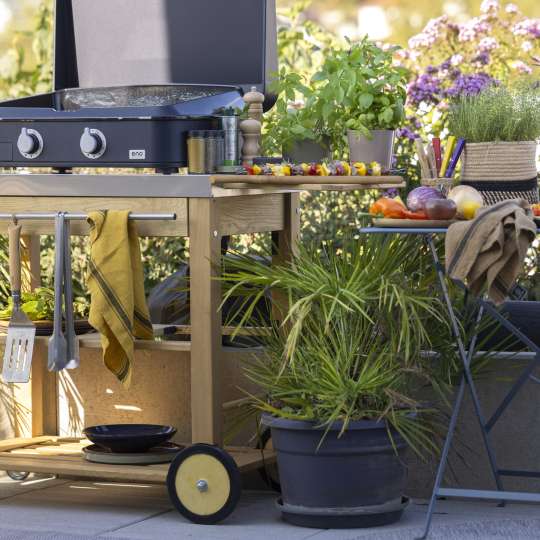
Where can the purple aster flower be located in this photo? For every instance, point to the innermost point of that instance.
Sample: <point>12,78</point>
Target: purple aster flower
<point>446,65</point>
<point>482,59</point>
<point>470,84</point>
<point>426,88</point>
<point>406,132</point>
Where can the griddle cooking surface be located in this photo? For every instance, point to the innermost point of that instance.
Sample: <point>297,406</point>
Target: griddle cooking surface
<point>133,96</point>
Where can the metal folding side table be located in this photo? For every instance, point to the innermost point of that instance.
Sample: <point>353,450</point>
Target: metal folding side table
<point>466,353</point>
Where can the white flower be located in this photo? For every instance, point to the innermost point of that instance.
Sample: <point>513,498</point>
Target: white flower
<point>488,44</point>
<point>489,6</point>
<point>9,64</point>
<point>522,67</point>
<point>511,8</point>
<point>527,46</point>
<point>456,59</point>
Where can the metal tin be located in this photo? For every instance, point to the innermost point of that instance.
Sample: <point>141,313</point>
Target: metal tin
<point>230,125</point>
<point>211,150</point>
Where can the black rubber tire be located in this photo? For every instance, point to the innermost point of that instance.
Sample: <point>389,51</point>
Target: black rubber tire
<point>18,476</point>
<point>234,476</point>
<point>268,473</point>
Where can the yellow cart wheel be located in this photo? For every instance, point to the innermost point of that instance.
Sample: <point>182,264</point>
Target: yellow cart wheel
<point>204,484</point>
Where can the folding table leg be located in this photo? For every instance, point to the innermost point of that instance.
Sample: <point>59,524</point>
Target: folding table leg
<point>466,358</point>
<point>444,457</point>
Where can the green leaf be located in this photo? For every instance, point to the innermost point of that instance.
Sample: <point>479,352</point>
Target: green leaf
<point>365,100</point>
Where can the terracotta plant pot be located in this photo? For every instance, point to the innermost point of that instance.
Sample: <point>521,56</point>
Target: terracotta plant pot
<point>380,148</point>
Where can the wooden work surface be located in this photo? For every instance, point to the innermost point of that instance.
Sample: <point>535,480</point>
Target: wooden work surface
<point>63,456</point>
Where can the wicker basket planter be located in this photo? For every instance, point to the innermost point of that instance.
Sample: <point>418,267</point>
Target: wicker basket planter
<point>501,170</point>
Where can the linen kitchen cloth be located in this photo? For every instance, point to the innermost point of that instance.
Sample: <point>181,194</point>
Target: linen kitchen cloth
<point>118,309</point>
<point>489,251</point>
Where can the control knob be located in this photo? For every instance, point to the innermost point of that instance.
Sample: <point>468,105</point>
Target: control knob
<point>93,143</point>
<point>30,143</point>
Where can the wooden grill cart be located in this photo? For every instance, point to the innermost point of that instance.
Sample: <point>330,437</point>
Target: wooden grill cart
<point>204,479</point>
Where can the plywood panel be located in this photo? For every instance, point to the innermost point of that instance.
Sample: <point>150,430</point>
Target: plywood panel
<point>159,393</point>
<point>257,213</point>
<point>10,205</point>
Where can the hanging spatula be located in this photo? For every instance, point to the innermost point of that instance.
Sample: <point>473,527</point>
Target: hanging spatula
<point>21,330</point>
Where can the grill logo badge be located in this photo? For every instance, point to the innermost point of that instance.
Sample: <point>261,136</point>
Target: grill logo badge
<point>137,154</point>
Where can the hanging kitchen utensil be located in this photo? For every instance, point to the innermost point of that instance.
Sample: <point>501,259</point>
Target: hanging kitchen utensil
<point>72,341</point>
<point>21,331</point>
<point>57,354</point>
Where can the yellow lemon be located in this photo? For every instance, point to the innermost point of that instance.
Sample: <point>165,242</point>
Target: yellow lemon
<point>469,209</point>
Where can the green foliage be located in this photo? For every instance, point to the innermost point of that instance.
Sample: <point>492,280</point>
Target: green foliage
<point>357,87</point>
<point>364,86</point>
<point>39,306</point>
<point>498,114</point>
<point>291,120</point>
<point>355,321</point>
<point>22,75</point>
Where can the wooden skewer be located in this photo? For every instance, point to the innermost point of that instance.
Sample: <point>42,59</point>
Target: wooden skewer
<point>306,180</point>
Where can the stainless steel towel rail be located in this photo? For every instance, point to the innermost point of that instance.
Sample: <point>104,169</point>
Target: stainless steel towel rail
<point>82,217</point>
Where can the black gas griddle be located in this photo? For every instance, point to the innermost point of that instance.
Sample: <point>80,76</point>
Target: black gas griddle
<point>132,77</point>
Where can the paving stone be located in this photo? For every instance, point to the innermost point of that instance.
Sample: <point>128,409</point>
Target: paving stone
<point>255,518</point>
<point>83,508</point>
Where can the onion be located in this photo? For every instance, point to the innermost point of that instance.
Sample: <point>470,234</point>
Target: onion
<point>466,197</point>
<point>418,197</point>
<point>441,209</point>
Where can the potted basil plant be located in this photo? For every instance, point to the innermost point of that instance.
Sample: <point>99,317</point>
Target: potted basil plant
<point>373,104</point>
<point>292,128</point>
<point>339,375</point>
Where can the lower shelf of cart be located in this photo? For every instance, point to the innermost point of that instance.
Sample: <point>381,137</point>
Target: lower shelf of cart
<point>63,457</point>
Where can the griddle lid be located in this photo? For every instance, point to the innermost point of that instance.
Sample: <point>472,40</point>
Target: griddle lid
<point>101,43</point>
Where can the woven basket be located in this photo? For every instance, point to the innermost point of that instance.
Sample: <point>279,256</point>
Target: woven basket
<point>501,170</point>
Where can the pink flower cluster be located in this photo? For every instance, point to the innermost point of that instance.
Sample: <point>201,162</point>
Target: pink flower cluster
<point>528,27</point>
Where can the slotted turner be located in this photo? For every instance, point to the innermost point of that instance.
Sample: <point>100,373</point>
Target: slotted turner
<point>21,330</point>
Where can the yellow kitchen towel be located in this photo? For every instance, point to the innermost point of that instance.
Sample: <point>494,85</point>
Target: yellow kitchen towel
<point>118,309</point>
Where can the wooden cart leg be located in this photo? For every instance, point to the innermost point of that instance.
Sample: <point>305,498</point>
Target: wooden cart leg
<point>43,384</point>
<point>287,239</point>
<point>205,258</point>
<point>285,242</point>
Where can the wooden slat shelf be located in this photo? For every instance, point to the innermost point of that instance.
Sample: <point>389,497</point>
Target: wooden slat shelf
<point>92,341</point>
<point>62,456</point>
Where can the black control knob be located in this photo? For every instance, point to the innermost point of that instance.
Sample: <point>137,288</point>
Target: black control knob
<point>93,143</point>
<point>30,143</point>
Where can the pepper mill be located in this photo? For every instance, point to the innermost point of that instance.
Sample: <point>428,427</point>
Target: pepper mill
<point>252,128</point>
<point>251,131</point>
<point>254,100</point>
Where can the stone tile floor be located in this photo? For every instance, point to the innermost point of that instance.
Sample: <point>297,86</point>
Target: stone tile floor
<point>59,509</point>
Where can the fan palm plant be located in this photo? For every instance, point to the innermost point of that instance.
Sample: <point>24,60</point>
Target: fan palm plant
<point>349,331</point>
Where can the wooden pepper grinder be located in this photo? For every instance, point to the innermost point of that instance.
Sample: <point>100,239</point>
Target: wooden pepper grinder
<point>252,127</point>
